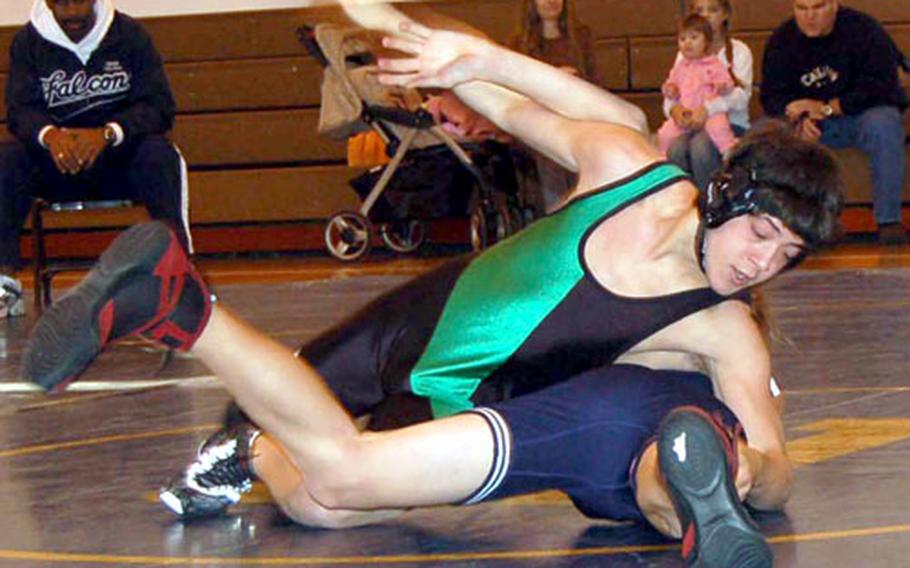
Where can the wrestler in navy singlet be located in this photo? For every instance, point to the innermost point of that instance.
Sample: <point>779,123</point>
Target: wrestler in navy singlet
<point>584,436</point>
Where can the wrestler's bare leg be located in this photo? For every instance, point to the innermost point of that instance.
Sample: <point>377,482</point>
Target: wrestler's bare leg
<point>652,495</point>
<point>345,469</point>
<point>286,484</point>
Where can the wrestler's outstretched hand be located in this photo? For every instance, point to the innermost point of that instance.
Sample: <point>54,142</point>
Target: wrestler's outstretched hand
<point>440,58</point>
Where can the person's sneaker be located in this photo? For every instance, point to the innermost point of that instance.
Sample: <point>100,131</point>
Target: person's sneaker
<point>142,284</point>
<point>892,234</point>
<point>218,476</point>
<point>11,302</point>
<point>698,459</point>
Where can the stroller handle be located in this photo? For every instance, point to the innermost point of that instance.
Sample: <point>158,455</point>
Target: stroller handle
<point>306,34</point>
<point>421,118</point>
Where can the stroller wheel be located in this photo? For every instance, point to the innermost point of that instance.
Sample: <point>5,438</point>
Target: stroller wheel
<point>518,221</point>
<point>504,223</point>
<point>479,233</point>
<point>403,236</point>
<point>347,235</point>
<point>491,224</point>
<point>528,215</point>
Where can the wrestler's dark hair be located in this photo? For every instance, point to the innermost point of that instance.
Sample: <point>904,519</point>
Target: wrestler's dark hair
<point>771,170</point>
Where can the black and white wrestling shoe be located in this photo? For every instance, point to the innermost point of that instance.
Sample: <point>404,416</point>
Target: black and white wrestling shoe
<point>217,478</point>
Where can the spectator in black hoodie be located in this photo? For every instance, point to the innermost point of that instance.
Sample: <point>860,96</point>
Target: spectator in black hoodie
<point>833,72</point>
<point>89,104</point>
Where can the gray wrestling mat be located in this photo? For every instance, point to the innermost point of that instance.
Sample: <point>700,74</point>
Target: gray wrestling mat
<point>80,471</point>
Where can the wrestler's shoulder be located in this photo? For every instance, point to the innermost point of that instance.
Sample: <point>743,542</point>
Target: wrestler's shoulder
<point>722,328</point>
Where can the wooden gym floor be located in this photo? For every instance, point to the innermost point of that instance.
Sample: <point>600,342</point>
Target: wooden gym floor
<point>79,471</point>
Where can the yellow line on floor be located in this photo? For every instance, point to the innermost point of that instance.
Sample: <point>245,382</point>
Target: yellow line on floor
<point>62,557</point>
<point>847,390</point>
<point>331,560</point>
<point>41,448</point>
<point>837,535</point>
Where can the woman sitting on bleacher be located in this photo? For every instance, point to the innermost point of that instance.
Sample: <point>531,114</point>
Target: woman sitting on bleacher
<point>695,152</point>
<point>549,31</point>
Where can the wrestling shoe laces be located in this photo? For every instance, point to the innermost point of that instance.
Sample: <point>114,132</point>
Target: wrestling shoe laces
<point>218,476</point>
<point>697,455</point>
<point>143,284</point>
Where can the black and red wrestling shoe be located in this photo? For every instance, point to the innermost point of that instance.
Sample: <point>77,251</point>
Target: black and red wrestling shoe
<point>698,459</point>
<point>142,284</point>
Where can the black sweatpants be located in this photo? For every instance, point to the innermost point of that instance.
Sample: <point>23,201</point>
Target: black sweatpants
<point>149,170</point>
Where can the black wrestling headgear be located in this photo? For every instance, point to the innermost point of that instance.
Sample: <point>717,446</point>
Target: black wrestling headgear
<point>720,202</point>
<point>723,201</point>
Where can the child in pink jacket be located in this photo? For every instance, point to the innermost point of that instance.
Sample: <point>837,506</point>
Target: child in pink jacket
<point>696,78</point>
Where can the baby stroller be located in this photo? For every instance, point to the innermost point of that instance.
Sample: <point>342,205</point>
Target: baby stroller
<point>429,174</point>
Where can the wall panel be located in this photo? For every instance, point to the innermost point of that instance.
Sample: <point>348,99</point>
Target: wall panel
<point>254,138</point>
<point>6,38</point>
<point>612,57</point>
<point>284,82</point>
<point>258,195</point>
<point>651,59</point>
<point>283,194</point>
<point>760,14</point>
<point>629,18</point>
<point>883,10</point>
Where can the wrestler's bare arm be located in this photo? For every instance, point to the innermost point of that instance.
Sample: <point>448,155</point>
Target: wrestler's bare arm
<point>555,89</point>
<point>452,58</point>
<point>670,360</point>
<point>574,123</point>
<point>729,342</point>
<point>740,364</point>
<point>683,361</point>
<point>600,152</point>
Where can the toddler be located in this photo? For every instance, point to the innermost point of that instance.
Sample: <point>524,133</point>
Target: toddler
<point>697,77</point>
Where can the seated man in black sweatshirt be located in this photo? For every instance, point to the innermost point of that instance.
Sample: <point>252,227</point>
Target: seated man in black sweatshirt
<point>88,103</point>
<point>833,72</point>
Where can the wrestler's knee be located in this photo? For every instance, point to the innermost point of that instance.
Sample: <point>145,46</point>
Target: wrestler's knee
<point>303,509</point>
<point>339,479</point>
<point>651,495</point>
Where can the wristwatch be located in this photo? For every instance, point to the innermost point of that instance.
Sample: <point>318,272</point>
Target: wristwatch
<point>827,110</point>
<point>110,135</point>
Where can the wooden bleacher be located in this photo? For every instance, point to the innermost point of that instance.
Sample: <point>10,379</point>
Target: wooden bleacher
<point>261,178</point>
<point>651,55</point>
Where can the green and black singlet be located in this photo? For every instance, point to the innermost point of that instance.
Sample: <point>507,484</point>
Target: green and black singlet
<point>520,316</point>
